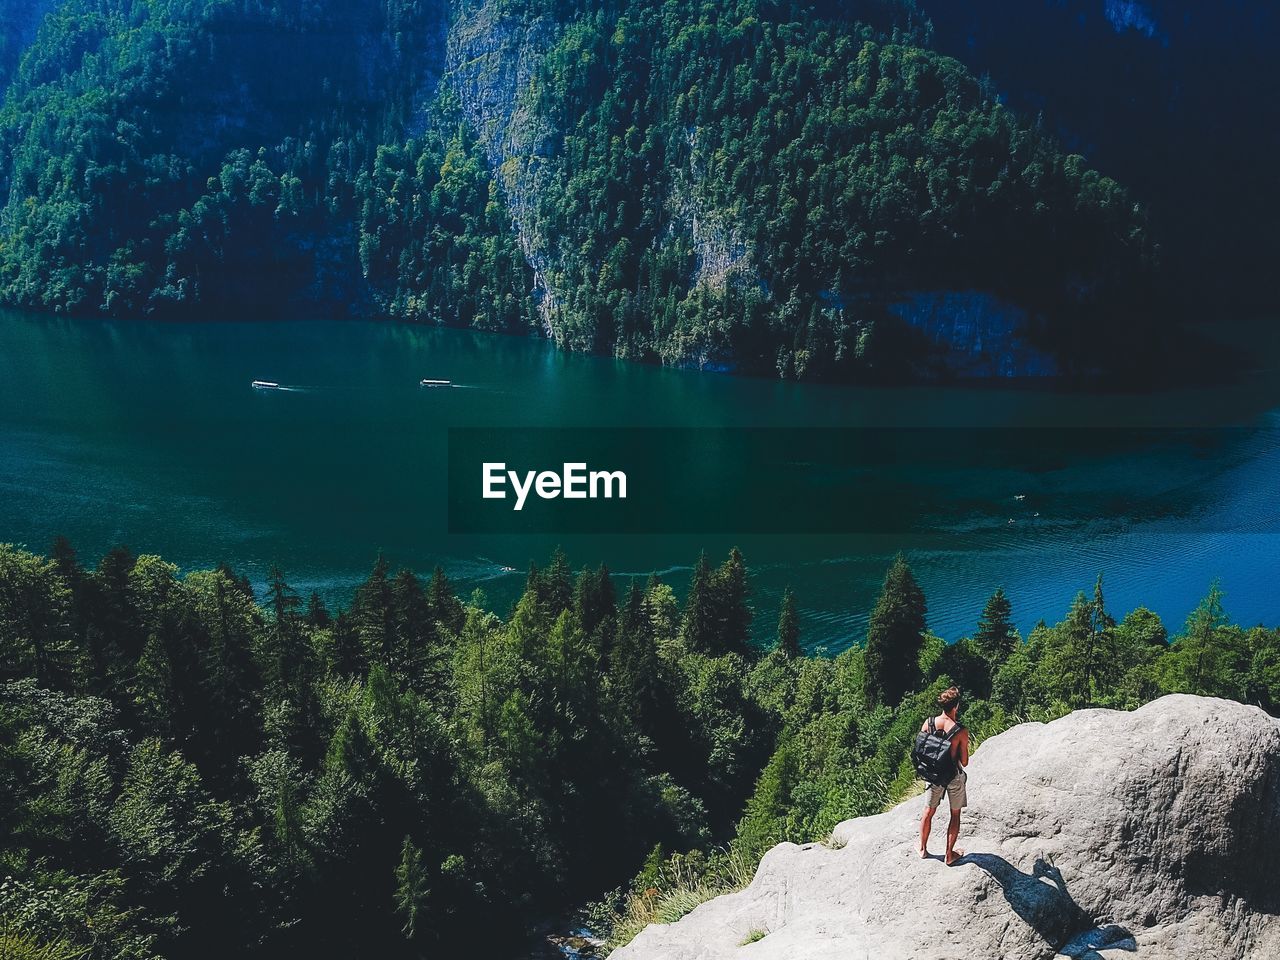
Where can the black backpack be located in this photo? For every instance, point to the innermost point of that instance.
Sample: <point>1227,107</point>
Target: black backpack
<point>932,754</point>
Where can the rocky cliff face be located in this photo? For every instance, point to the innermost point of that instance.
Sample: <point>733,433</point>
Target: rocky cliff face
<point>491,59</point>
<point>1150,834</point>
<point>495,51</point>
<point>975,334</point>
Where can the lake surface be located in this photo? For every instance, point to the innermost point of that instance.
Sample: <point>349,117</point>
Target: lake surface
<point>150,435</point>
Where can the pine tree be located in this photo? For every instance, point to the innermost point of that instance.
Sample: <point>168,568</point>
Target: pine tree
<point>374,612</point>
<point>995,638</point>
<point>411,887</point>
<point>317,615</point>
<point>289,666</point>
<point>1200,640</point>
<point>595,602</point>
<point>895,636</point>
<point>1081,652</point>
<point>35,622</point>
<point>445,606</point>
<point>344,651</point>
<point>415,655</point>
<point>240,580</point>
<point>115,606</point>
<point>698,626</point>
<point>556,588</point>
<point>732,609</point>
<point>169,678</point>
<point>229,672</point>
<point>285,658</point>
<point>788,642</point>
<point>636,670</point>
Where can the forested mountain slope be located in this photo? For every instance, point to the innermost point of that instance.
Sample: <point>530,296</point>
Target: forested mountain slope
<point>767,185</point>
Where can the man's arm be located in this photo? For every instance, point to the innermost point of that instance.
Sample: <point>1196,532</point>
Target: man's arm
<point>964,747</point>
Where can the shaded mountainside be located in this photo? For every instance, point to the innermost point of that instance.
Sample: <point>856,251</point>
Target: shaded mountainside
<point>1101,834</point>
<point>1165,95</point>
<point>767,186</point>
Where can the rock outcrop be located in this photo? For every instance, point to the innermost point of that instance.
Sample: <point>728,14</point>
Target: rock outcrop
<point>1104,834</point>
<point>974,334</point>
<point>493,55</point>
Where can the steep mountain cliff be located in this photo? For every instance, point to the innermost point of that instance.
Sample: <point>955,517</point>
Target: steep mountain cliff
<point>760,185</point>
<point>1100,835</point>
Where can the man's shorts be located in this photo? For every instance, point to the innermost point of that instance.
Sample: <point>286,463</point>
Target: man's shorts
<point>955,790</point>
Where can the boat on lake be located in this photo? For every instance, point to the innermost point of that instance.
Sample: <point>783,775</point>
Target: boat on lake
<point>265,385</point>
<point>436,383</point>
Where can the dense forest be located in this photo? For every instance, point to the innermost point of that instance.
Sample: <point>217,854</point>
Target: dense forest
<point>188,769</point>
<point>683,181</point>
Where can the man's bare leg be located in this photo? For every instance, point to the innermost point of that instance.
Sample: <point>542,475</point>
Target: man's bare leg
<point>953,832</point>
<point>926,823</point>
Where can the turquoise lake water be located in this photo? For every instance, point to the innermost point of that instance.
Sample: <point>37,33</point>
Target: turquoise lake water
<point>150,435</point>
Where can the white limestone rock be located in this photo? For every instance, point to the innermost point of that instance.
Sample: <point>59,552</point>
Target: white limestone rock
<point>1100,836</point>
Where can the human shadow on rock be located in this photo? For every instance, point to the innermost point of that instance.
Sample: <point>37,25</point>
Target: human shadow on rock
<point>1041,899</point>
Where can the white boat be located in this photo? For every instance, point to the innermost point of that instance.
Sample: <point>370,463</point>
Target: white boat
<point>266,385</point>
<point>436,383</point>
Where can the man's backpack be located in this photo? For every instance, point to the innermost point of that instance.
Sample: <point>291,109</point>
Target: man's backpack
<point>932,755</point>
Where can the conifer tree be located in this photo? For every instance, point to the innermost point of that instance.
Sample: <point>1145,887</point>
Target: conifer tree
<point>732,608</point>
<point>115,608</point>
<point>698,626</point>
<point>317,615</point>
<point>445,606</point>
<point>895,636</point>
<point>374,613</point>
<point>556,588</point>
<point>788,642</point>
<point>411,887</point>
<point>35,622</point>
<point>636,670</point>
<point>995,638</point>
<point>415,656</point>
<point>595,602</point>
<point>1200,639</point>
<point>344,650</point>
<point>285,657</point>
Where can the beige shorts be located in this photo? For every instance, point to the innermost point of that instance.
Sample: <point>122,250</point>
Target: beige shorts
<point>956,791</point>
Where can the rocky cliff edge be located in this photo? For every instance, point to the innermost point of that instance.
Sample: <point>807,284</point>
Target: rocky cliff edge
<point>1105,834</point>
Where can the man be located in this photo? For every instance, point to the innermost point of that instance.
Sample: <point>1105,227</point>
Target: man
<point>948,726</point>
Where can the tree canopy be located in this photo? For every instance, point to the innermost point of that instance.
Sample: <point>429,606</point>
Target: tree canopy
<point>175,751</point>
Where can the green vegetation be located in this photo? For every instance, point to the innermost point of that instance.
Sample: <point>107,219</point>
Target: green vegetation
<point>188,770</point>
<point>180,156</point>
<point>710,182</point>
<point>826,156</point>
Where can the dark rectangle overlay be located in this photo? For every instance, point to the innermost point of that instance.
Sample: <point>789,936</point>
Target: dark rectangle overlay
<point>857,480</point>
